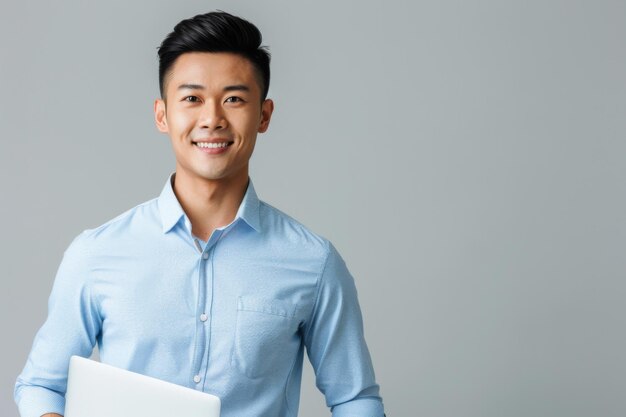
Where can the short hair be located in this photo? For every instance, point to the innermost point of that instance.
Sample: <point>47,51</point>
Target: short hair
<point>215,32</point>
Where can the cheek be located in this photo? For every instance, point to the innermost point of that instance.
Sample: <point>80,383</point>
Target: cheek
<point>180,122</point>
<point>250,126</point>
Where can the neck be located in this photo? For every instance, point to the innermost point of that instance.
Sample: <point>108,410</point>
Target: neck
<point>209,204</point>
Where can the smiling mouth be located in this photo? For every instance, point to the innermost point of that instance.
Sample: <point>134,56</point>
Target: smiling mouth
<point>213,145</point>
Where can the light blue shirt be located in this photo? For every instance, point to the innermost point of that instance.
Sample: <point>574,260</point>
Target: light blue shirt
<point>231,316</point>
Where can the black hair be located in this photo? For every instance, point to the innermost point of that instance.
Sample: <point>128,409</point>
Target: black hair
<point>215,32</point>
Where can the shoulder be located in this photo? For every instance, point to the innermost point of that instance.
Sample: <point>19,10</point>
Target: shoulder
<point>280,225</point>
<point>307,245</point>
<point>124,225</point>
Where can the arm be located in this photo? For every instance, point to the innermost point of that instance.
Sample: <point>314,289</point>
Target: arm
<point>71,328</point>
<point>336,346</point>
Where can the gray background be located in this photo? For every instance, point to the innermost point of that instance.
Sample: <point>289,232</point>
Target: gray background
<point>466,157</point>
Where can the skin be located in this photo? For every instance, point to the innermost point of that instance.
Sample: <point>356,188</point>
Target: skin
<point>210,187</point>
<point>212,95</point>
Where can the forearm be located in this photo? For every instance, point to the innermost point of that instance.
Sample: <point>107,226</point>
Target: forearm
<point>336,347</point>
<point>71,328</point>
<point>52,415</point>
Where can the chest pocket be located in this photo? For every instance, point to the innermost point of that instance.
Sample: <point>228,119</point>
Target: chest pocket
<point>266,336</point>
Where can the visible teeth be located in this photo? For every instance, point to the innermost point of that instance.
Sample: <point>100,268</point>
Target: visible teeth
<point>212,145</point>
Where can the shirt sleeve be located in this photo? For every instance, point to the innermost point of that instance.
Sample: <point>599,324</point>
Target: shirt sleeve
<point>336,345</point>
<point>71,328</point>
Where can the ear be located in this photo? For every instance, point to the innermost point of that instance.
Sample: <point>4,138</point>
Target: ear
<point>160,116</point>
<point>267,108</point>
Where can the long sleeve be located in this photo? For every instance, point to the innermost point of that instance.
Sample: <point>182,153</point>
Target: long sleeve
<point>71,328</point>
<point>336,345</point>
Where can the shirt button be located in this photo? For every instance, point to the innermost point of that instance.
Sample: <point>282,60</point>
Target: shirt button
<point>205,255</point>
<point>196,379</point>
<point>203,317</point>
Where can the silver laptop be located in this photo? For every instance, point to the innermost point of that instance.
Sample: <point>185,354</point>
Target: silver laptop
<point>98,390</point>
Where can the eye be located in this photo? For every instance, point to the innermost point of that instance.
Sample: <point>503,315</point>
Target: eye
<point>191,99</point>
<point>234,99</point>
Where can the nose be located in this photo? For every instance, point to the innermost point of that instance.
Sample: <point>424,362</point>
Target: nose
<point>212,116</point>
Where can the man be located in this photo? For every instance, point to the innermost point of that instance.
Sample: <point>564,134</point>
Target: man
<point>206,286</point>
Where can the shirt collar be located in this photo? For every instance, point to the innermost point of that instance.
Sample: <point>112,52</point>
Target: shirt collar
<point>171,211</point>
<point>249,209</point>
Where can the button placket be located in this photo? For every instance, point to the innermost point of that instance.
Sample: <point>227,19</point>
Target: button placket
<point>201,342</point>
<point>205,301</point>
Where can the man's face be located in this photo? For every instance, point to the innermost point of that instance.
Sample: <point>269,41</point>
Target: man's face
<point>212,113</point>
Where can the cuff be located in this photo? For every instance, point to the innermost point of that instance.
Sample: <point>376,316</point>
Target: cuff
<point>34,401</point>
<point>362,407</point>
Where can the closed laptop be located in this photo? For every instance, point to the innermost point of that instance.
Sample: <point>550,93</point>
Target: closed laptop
<point>95,389</point>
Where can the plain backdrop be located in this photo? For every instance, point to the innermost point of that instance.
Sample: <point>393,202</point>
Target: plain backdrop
<point>465,157</point>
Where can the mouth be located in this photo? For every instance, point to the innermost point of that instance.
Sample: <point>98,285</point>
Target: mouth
<point>213,144</point>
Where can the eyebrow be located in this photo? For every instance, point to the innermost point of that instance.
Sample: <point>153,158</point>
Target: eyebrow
<point>236,87</point>
<point>190,87</point>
